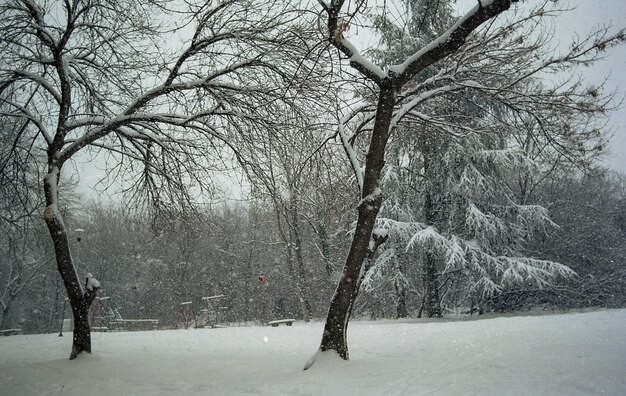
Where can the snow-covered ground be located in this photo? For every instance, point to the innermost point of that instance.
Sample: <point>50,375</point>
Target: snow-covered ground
<point>578,353</point>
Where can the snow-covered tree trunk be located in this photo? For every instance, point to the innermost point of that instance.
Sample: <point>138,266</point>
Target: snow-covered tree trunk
<point>334,336</point>
<point>80,300</point>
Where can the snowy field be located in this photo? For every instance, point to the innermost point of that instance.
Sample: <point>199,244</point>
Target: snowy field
<point>571,354</point>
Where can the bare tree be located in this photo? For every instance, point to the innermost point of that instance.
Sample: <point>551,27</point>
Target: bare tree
<point>130,87</point>
<point>288,174</point>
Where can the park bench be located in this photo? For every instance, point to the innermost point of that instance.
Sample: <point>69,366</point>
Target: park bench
<point>10,332</point>
<point>275,323</point>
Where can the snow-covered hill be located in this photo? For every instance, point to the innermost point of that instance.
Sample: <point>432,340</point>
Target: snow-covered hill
<point>580,353</point>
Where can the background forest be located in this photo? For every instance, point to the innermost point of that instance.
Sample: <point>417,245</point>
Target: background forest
<point>148,268</point>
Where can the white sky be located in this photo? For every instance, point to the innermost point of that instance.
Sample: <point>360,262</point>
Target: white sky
<point>587,15</point>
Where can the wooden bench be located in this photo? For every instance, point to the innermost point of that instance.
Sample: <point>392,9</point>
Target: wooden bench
<point>10,332</point>
<point>275,323</point>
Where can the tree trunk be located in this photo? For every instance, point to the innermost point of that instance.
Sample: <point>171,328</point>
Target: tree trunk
<point>432,304</point>
<point>81,340</point>
<point>294,234</point>
<point>324,247</point>
<point>293,245</point>
<point>401,310</point>
<point>298,283</point>
<point>419,313</point>
<point>80,301</point>
<point>400,286</point>
<point>335,329</point>
<point>334,336</point>
<point>4,320</point>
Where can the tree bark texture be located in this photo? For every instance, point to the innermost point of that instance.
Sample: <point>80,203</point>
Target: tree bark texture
<point>81,339</point>
<point>80,300</point>
<point>335,330</point>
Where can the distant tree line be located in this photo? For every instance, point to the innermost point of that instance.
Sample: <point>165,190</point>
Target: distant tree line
<point>147,269</point>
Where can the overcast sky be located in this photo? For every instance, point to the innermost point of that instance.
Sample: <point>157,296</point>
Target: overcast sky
<point>585,16</point>
<point>588,14</point>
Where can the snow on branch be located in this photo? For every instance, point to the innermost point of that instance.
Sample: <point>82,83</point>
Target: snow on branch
<point>534,219</point>
<point>41,81</point>
<point>424,96</point>
<point>508,158</point>
<point>336,28</point>
<point>120,122</point>
<point>370,199</point>
<point>84,121</point>
<point>427,237</point>
<point>486,225</point>
<point>402,230</point>
<point>350,152</point>
<point>472,182</point>
<point>497,271</point>
<point>449,41</point>
<point>361,63</point>
<point>372,277</point>
<point>490,271</point>
<point>92,283</point>
<point>38,23</point>
<point>451,248</point>
<point>30,116</point>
